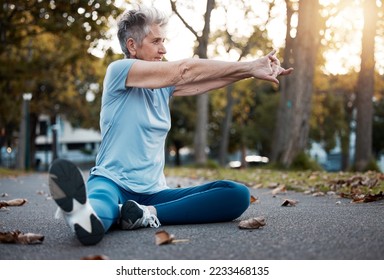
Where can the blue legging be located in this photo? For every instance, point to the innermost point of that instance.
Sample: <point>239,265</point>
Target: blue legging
<point>218,201</point>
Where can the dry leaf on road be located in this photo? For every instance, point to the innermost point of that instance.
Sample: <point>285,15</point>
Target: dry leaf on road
<point>21,238</point>
<point>162,237</point>
<point>252,223</point>
<point>253,199</point>
<point>289,202</point>
<point>95,257</point>
<point>279,189</point>
<point>13,202</point>
<point>367,197</point>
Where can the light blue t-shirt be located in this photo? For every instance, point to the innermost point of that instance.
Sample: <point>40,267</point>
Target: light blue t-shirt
<point>134,123</point>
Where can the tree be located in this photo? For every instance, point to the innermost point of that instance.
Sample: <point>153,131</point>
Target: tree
<point>183,114</point>
<point>41,46</point>
<point>292,128</point>
<point>231,38</point>
<point>200,141</point>
<point>365,89</point>
<point>244,46</point>
<point>332,114</point>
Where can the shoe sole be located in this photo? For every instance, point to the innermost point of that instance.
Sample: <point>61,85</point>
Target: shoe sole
<point>135,213</point>
<point>66,186</point>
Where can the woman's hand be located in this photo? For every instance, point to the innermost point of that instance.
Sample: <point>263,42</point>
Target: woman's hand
<point>270,68</point>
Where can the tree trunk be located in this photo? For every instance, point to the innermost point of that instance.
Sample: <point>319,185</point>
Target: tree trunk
<point>54,137</point>
<point>201,134</point>
<point>345,136</point>
<point>20,164</point>
<point>224,143</point>
<point>34,118</point>
<point>292,127</point>
<point>365,88</point>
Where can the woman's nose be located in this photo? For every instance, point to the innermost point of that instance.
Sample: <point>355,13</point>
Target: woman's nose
<point>162,49</point>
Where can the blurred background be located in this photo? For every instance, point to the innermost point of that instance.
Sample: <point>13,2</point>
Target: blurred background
<point>329,114</point>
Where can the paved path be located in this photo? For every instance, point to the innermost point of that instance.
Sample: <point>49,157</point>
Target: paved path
<point>317,228</point>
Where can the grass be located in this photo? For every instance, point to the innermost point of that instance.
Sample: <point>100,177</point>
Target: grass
<point>357,186</point>
<point>347,184</point>
<point>5,172</point>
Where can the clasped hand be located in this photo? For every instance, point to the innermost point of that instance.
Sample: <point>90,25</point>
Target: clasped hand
<point>274,69</point>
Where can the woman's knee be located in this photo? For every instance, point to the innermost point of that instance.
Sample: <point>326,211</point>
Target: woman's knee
<point>240,192</point>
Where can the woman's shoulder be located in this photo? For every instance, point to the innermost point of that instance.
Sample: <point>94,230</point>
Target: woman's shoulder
<point>121,62</point>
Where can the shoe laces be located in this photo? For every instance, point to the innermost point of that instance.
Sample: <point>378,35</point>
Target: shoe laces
<point>149,219</point>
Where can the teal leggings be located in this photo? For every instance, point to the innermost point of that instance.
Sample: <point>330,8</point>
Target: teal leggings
<point>217,201</point>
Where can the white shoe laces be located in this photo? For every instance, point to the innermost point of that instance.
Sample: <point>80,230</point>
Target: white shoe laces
<point>149,219</point>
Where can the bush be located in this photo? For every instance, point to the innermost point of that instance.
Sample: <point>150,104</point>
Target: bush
<point>371,166</point>
<point>304,162</point>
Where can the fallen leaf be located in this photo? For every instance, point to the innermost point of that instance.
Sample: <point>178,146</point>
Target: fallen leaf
<point>257,186</point>
<point>253,199</point>
<point>162,237</point>
<point>252,223</point>
<point>312,177</point>
<point>289,202</point>
<point>95,257</point>
<point>13,202</point>
<point>374,197</point>
<point>21,238</point>
<point>318,194</point>
<point>367,198</point>
<point>272,185</point>
<point>279,189</point>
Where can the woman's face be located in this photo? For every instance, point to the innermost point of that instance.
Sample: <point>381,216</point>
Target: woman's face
<point>152,47</point>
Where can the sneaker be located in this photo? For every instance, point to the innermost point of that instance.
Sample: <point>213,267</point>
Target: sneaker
<point>67,188</point>
<point>134,215</point>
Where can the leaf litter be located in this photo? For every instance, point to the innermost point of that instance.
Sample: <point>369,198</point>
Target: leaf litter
<point>357,186</point>
<point>20,237</point>
<point>289,202</point>
<point>95,257</point>
<point>252,223</point>
<point>13,202</point>
<point>162,237</point>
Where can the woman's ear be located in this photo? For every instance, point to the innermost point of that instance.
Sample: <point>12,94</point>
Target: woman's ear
<point>131,46</point>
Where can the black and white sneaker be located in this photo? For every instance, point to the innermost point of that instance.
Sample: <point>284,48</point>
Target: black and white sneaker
<point>67,188</point>
<point>134,215</point>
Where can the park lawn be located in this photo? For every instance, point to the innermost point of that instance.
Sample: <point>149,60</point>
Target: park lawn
<point>360,187</point>
<point>5,172</point>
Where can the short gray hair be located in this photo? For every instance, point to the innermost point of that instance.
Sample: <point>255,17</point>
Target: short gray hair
<point>136,24</point>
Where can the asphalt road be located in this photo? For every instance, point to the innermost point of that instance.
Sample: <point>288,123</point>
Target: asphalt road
<point>317,228</point>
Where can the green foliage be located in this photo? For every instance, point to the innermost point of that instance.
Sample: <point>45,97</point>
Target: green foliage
<point>183,115</point>
<point>253,116</point>
<point>371,166</point>
<point>304,162</point>
<point>210,165</point>
<point>5,172</point>
<point>44,49</point>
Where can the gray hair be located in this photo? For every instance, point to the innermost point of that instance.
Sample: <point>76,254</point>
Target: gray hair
<point>136,24</point>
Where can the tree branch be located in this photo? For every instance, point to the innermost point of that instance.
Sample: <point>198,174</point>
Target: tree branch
<point>174,9</point>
